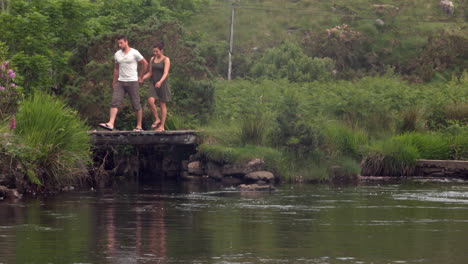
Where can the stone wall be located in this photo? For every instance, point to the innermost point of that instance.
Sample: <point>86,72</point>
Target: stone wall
<point>442,168</point>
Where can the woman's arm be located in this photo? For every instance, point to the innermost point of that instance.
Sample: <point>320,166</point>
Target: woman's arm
<point>150,70</point>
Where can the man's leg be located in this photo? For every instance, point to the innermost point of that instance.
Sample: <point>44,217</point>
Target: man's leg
<point>139,117</point>
<point>117,97</point>
<point>133,89</point>
<point>112,115</point>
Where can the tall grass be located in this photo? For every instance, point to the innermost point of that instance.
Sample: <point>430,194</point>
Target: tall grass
<point>429,145</point>
<point>253,129</point>
<point>344,141</point>
<point>390,157</point>
<point>53,142</point>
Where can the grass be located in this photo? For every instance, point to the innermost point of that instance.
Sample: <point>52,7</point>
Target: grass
<point>390,157</point>
<point>359,121</point>
<point>344,141</point>
<point>429,145</point>
<point>51,142</point>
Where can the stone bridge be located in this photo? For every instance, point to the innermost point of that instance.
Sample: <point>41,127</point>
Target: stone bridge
<point>173,137</point>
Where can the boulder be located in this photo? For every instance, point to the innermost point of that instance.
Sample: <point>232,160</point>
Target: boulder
<point>256,187</point>
<point>214,170</point>
<point>244,168</point>
<point>260,176</point>
<point>9,193</point>
<point>195,168</point>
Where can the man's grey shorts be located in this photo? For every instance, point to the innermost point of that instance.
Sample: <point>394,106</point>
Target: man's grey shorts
<point>133,90</point>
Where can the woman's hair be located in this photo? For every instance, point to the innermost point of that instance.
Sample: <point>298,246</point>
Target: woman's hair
<point>159,45</point>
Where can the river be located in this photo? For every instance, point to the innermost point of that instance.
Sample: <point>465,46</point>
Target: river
<point>196,222</point>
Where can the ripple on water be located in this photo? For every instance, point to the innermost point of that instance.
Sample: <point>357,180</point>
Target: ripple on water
<point>456,197</point>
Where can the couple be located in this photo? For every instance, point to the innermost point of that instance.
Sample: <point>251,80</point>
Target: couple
<point>126,80</point>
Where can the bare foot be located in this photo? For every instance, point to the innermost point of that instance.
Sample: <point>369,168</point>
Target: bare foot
<point>155,124</point>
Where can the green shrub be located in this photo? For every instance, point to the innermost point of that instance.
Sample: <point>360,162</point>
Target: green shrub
<point>225,154</point>
<point>51,142</point>
<point>288,61</point>
<point>253,129</point>
<point>293,132</point>
<point>429,145</point>
<point>411,120</point>
<point>344,141</point>
<point>390,157</point>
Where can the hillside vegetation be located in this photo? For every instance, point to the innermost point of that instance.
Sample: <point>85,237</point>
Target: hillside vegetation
<point>364,37</point>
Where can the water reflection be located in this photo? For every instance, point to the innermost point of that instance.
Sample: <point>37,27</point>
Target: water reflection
<point>203,223</point>
<point>139,236</point>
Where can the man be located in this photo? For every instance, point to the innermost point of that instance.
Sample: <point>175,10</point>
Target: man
<point>126,80</point>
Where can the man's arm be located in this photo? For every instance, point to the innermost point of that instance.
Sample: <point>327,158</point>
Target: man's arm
<point>116,74</point>
<point>144,65</point>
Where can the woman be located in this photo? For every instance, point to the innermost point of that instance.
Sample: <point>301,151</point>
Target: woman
<point>159,66</point>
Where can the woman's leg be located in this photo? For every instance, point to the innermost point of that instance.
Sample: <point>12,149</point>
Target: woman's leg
<point>163,116</point>
<point>154,110</point>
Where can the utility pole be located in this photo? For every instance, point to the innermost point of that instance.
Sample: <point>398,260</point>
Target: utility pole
<point>231,37</point>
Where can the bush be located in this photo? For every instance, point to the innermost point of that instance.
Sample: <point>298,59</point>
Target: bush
<point>429,145</point>
<point>253,129</point>
<point>390,157</point>
<point>224,154</point>
<point>411,120</point>
<point>51,142</point>
<point>344,141</point>
<point>293,132</point>
<point>10,93</point>
<point>288,61</point>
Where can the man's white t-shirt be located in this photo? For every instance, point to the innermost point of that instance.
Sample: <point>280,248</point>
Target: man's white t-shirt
<point>128,65</point>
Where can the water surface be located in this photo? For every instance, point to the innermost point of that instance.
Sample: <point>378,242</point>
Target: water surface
<point>168,222</point>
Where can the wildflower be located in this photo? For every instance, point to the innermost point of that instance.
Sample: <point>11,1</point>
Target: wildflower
<point>11,73</point>
<point>12,84</point>
<point>2,88</point>
<point>6,63</point>
<point>12,123</point>
<point>2,67</point>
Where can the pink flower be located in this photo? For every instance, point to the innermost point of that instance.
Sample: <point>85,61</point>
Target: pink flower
<point>12,123</point>
<point>11,73</point>
<point>6,63</point>
<point>2,67</point>
<point>12,85</point>
<point>2,88</point>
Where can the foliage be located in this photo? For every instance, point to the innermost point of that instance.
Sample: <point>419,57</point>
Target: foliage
<point>363,39</point>
<point>10,93</point>
<point>429,145</point>
<point>253,129</point>
<point>343,141</point>
<point>289,61</point>
<point>44,35</point>
<point>445,53</point>
<point>411,119</point>
<point>51,142</point>
<point>293,131</point>
<point>223,154</point>
<point>390,157</point>
<point>349,48</point>
<point>194,98</point>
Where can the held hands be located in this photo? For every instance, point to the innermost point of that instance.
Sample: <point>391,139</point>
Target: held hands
<point>140,80</point>
<point>158,84</point>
